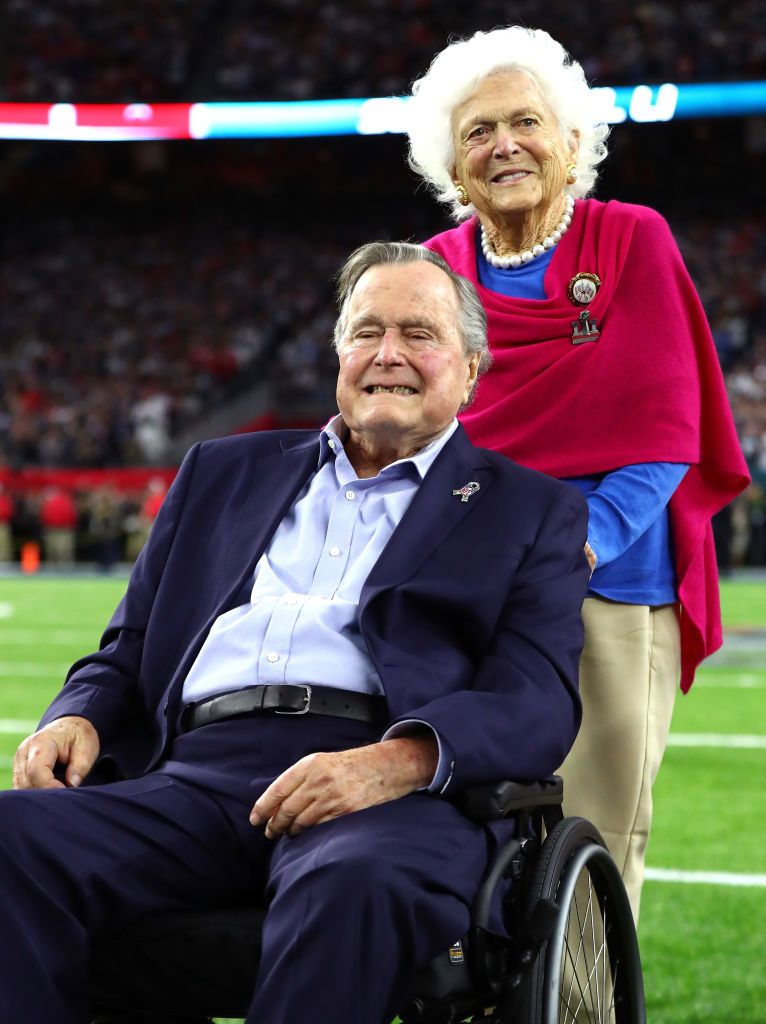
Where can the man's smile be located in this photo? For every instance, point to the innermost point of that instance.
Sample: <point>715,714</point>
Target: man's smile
<point>390,389</point>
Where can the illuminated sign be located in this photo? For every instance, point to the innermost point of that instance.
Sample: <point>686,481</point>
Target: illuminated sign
<point>107,122</point>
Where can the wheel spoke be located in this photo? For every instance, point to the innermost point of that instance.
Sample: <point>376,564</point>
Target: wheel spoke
<point>574,961</point>
<point>589,968</point>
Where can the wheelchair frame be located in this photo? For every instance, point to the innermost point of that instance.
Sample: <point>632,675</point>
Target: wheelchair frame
<point>571,955</point>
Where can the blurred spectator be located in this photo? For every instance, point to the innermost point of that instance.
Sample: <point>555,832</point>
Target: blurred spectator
<point>140,521</point>
<point>174,320</point>
<point>104,528</point>
<point>101,51</point>
<point>58,522</point>
<point>6,525</point>
<point>159,50</point>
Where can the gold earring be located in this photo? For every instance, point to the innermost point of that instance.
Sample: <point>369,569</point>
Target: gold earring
<point>462,195</point>
<point>572,174</point>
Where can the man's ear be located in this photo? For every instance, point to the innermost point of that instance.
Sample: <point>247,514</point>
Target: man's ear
<point>473,371</point>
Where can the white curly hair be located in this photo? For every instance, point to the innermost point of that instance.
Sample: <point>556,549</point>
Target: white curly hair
<point>456,73</point>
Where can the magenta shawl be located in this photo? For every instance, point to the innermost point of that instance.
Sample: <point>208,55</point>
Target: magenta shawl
<point>649,389</point>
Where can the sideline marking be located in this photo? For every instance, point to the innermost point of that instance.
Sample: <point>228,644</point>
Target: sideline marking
<point>7,610</point>
<point>32,637</point>
<point>705,877</point>
<point>36,669</point>
<point>16,726</point>
<point>730,741</point>
<point>741,681</point>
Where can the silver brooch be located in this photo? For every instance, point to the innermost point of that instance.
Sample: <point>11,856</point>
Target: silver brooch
<point>466,490</point>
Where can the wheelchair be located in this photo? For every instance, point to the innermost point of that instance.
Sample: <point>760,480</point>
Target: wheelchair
<point>571,955</point>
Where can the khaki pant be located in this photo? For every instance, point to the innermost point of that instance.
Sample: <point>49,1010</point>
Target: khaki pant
<point>629,674</point>
<point>6,543</point>
<point>58,544</point>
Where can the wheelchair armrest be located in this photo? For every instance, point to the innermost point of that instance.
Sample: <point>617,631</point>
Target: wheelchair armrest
<point>495,800</point>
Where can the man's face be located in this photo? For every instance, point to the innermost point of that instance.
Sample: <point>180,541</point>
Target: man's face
<point>403,372</point>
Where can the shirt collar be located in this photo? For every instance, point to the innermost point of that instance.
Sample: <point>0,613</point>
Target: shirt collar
<point>335,432</point>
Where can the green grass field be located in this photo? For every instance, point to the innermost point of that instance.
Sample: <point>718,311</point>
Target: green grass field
<point>702,944</point>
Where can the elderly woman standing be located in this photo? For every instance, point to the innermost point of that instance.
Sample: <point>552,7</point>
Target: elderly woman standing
<point>604,374</point>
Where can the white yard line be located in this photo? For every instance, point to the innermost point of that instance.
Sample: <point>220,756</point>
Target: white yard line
<point>737,681</point>
<point>6,610</point>
<point>31,637</point>
<point>35,670</point>
<point>16,726</point>
<point>729,741</point>
<point>705,877</point>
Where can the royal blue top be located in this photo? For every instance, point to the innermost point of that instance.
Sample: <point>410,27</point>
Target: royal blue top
<point>629,525</point>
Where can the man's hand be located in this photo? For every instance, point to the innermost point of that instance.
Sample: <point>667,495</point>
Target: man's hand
<point>72,741</point>
<point>320,787</point>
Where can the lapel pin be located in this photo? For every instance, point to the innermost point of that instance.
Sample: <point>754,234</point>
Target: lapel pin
<point>582,289</point>
<point>466,490</point>
<point>584,328</point>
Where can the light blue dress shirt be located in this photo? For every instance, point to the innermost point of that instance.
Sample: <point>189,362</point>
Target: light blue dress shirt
<point>301,624</point>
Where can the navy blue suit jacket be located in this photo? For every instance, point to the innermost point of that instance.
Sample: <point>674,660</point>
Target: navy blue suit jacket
<point>471,615</point>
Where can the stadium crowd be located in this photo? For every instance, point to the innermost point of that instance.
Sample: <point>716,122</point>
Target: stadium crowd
<point>112,346</point>
<point>162,50</point>
<point>164,286</point>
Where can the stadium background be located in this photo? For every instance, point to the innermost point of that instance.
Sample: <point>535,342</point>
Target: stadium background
<point>157,292</point>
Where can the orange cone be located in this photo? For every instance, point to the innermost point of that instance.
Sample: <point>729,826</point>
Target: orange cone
<point>30,556</point>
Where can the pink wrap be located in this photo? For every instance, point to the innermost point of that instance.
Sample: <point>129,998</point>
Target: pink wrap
<point>649,389</point>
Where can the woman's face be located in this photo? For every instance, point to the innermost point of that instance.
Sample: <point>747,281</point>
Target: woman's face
<point>510,156</point>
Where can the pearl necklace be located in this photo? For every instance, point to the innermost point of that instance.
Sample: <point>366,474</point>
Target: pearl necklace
<point>504,262</point>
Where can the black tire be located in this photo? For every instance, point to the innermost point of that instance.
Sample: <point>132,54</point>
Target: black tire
<point>574,869</point>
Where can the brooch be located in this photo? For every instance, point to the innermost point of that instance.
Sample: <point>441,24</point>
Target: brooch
<point>584,328</point>
<point>582,289</point>
<point>466,490</point>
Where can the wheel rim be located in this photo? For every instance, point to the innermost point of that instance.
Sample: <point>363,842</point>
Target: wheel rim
<point>584,969</point>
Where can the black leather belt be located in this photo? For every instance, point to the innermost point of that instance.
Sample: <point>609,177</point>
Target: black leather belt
<point>286,700</point>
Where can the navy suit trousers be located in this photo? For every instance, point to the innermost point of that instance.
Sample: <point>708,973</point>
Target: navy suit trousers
<point>354,904</point>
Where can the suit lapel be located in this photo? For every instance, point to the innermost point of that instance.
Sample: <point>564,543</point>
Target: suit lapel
<point>433,513</point>
<point>276,482</point>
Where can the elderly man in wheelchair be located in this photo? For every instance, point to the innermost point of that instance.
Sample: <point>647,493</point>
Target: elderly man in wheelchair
<point>332,648</point>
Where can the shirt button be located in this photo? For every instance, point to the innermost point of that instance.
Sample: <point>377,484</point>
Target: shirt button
<point>334,552</point>
<point>350,495</point>
<point>291,600</point>
<point>331,444</point>
<point>272,656</point>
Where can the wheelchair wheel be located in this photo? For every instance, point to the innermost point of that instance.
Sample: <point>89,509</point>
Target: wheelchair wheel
<point>589,970</point>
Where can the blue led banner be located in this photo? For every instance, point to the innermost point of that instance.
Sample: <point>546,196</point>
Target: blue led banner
<point>134,121</point>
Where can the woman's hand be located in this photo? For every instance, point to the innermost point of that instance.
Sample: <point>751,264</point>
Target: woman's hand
<point>590,554</point>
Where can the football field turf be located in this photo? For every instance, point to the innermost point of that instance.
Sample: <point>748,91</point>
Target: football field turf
<point>703,922</point>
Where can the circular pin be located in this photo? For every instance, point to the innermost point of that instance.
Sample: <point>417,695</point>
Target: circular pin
<point>582,288</point>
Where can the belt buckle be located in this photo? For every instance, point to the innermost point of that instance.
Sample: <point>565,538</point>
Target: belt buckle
<point>307,699</point>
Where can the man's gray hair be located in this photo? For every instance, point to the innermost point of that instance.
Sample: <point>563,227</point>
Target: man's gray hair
<point>458,70</point>
<point>472,320</point>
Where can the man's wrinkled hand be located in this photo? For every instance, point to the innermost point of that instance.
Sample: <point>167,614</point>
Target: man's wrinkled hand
<point>70,741</point>
<point>323,786</point>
